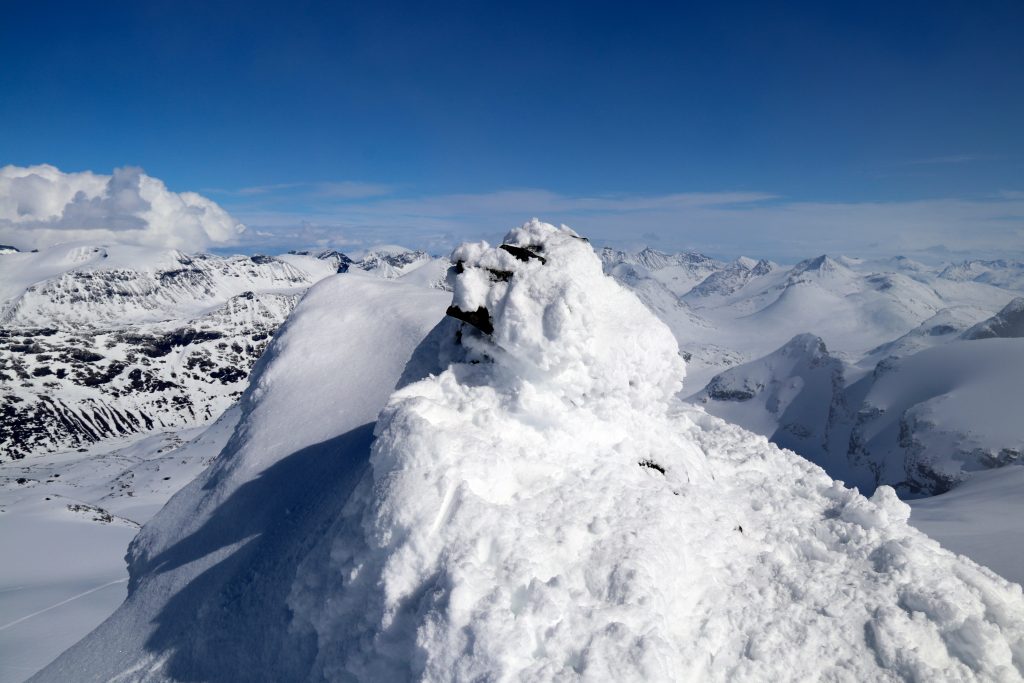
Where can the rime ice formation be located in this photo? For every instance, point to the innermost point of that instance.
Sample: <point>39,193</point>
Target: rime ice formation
<point>536,505</point>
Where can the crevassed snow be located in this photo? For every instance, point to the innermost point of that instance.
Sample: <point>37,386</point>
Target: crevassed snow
<point>538,508</point>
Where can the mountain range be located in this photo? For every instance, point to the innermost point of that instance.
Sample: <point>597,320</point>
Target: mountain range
<point>512,488</point>
<point>884,373</point>
<point>102,342</point>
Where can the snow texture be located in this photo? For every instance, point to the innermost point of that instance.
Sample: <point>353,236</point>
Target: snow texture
<point>981,519</point>
<point>66,520</point>
<point>537,507</point>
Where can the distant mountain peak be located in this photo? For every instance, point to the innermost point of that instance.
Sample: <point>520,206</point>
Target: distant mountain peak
<point>823,264</point>
<point>1007,323</point>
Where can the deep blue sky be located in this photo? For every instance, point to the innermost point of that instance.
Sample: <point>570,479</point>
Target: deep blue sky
<point>811,102</point>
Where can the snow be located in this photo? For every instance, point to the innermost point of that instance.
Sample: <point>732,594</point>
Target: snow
<point>1009,322</point>
<point>956,403</point>
<point>789,396</point>
<point>981,518</point>
<point>64,571</point>
<point>536,506</point>
<point>284,472</point>
<point>116,286</point>
<point>737,312</point>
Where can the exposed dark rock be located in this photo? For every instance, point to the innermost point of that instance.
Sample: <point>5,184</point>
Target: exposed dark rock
<point>522,253</point>
<point>479,318</point>
<point>650,464</point>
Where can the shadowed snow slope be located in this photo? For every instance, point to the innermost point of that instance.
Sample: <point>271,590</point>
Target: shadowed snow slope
<point>536,506</point>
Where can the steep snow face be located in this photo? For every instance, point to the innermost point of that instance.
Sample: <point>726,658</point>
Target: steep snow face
<point>1008,322</point>
<point>793,396</point>
<point>927,421</point>
<point>980,519</point>
<point>392,262</point>
<point>732,278</point>
<point>921,423</point>
<point>527,513</point>
<point>677,272</point>
<point>245,525</point>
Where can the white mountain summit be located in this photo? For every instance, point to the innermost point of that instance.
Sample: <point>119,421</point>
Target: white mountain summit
<point>536,505</point>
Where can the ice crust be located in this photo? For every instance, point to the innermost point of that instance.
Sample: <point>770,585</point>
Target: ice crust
<point>536,505</point>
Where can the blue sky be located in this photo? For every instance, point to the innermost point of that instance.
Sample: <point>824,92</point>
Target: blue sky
<point>765,128</point>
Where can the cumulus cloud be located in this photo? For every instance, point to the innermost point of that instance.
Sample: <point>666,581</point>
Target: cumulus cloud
<point>41,205</point>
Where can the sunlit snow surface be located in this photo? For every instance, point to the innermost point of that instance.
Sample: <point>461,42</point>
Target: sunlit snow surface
<point>981,518</point>
<point>538,508</point>
<point>65,523</point>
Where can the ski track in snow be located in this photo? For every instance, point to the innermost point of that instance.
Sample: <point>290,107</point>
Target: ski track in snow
<point>62,603</point>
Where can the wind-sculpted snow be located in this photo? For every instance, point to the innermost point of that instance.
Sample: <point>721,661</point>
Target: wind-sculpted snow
<point>480,475</point>
<point>537,505</point>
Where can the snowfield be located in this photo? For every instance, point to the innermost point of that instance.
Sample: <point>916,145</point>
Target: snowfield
<point>537,504</point>
<point>68,519</point>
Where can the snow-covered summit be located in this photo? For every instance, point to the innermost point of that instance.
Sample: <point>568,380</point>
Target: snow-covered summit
<point>1009,322</point>
<point>536,505</point>
<point>1000,272</point>
<point>555,318</point>
<point>392,261</point>
<point>732,278</point>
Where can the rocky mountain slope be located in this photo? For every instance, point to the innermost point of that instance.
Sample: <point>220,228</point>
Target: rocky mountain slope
<point>102,342</point>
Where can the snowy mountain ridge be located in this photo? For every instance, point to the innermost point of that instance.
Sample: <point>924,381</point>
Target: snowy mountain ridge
<point>743,335</point>
<point>106,342</point>
<point>536,505</point>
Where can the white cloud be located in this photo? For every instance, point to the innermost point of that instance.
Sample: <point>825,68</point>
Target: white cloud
<point>337,189</point>
<point>41,205</point>
<point>722,223</point>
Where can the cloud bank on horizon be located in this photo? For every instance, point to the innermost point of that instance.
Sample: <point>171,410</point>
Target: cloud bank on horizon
<point>41,206</point>
<point>723,224</point>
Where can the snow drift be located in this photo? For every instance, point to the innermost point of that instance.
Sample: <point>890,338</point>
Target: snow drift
<point>536,505</point>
